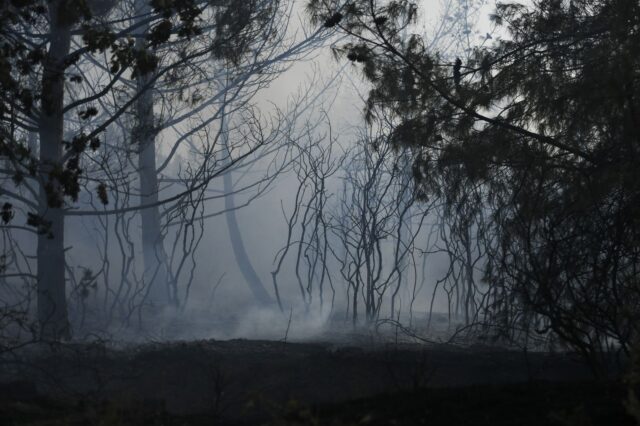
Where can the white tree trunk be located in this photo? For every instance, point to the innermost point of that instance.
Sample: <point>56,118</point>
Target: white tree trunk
<point>154,255</point>
<point>52,302</point>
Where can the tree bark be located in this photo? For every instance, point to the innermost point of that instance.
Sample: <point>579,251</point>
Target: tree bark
<point>52,302</point>
<point>154,256</point>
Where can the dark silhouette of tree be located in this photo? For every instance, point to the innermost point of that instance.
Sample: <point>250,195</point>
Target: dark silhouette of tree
<point>545,123</point>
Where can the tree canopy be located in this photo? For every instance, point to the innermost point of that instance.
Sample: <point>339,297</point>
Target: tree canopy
<point>539,133</point>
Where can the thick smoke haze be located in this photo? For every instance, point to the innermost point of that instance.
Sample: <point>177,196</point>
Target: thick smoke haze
<point>319,212</point>
<point>263,222</point>
<point>322,98</point>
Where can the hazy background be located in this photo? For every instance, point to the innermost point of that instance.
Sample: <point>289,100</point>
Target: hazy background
<point>220,300</point>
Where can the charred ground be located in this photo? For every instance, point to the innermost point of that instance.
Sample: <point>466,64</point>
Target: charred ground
<point>268,382</point>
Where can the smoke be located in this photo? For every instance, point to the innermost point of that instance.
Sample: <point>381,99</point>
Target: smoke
<point>269,323</point>
<point>240,321</point>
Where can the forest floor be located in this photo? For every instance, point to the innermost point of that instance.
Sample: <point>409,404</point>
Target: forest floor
<point>246,382</point>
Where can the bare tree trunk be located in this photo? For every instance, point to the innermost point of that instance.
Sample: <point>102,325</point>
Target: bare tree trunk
<point>52,302</point>
<point>154,255</point>
<point>239,250</point>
